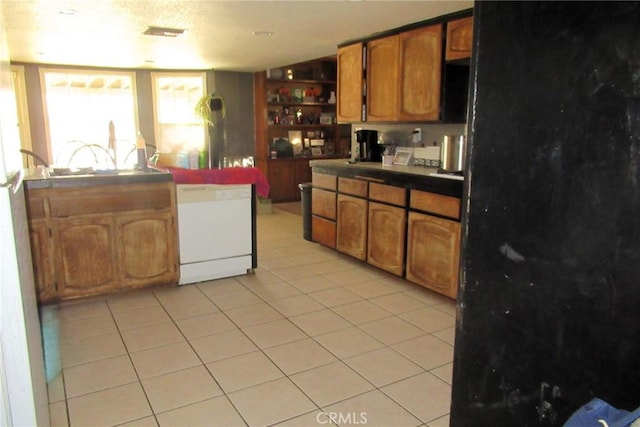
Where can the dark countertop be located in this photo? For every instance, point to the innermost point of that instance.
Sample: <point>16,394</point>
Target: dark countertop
<point>411,177</point>
<point>105,178</point>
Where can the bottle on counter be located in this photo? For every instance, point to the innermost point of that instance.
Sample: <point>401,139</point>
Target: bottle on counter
<point>203,159</point>
<point>141,149</point>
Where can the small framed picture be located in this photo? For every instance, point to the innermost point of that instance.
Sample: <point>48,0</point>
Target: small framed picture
<point>329,147</point>
<point>402,157</point>
<point>316,151</point>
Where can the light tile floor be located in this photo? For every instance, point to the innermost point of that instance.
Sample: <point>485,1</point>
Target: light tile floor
<point>311,337</point>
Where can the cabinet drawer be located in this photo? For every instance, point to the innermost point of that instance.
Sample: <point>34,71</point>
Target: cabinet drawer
<point>323,231</point>
<point>322,180</point>
<point>355,187</point>
<point>388,194</point>
<point>435,203</point>
<point>110,202</point>
<point>323,203</point>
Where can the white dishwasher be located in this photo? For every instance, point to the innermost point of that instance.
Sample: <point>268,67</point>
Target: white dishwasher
<point>216,231</point>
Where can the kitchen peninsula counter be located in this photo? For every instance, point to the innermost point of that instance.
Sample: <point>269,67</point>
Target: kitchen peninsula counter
<point>410,177</point>
<point>400,219</point>
<point>103,233</point>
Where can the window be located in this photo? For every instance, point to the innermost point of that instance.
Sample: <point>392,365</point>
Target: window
<point>175,95</point>
<point>90,117</point>
<point>19,85</point>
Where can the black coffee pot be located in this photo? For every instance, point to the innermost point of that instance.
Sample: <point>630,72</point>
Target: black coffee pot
<point>368,148</point>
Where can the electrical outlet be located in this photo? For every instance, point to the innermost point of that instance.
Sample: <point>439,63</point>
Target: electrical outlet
<point>417,136</point>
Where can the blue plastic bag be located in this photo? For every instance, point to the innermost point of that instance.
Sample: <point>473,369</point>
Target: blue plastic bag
<point>598,413</point>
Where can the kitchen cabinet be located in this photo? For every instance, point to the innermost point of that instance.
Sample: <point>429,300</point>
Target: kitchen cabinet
<point>145,249</point>
<point>404,221</point>
<point>42,258</point>
<point>350,83</point>
<point>284,176</point>
<point>382,79</point>
<point>387,227</point>
<point>433,244</point>
<point>459,39</point>
<point>433,253</point>
<point>323,209</point>
<point>420,64</point>
<point>351,220</point>
<point>85,255</point>
<point>404,75</point>
<point>94,239</point>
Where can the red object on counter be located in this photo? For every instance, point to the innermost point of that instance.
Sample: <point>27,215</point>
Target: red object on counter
<point>223,176</point>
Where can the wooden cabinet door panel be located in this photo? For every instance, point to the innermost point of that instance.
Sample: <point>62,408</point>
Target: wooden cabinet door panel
<point>386,237</point>
<point>323,231</point>
<point>420,73</point>
<point>282,176</point>
<point>147,249</point>
<point>433,253</point>
<point>42,258</point>
<point>459,39</point>
<point>350,75</point>
<point>351,226</point>
<point>382,79</point>
<point>85,255</point>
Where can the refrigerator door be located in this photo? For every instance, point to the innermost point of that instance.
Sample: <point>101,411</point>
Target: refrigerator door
<point>23,386</point>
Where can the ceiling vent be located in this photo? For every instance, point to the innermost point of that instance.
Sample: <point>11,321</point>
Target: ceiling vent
<point>163,31</point>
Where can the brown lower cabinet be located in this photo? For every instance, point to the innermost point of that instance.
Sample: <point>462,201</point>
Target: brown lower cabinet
<point>386,231</point>
<point>433,248</point>
<point>99,239</point>
<point>351,226</point>
<point>284,176</point>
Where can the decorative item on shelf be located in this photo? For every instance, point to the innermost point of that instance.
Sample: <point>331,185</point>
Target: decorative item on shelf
<point>275,73</point>
<point>311,119</point>
<point>289,74</point>
<point>332,97</point>
<point>326,119</point>
<point>295,138</point>
<point>329,148</point>
<point>297,95</point>
<point>282,147</point>
<point>316,151</point>
<point>299,118</point>
<point>283,94</point>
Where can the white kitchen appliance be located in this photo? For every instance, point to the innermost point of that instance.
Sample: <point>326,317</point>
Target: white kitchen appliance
<point>216,227</point>
<point>23,389</point>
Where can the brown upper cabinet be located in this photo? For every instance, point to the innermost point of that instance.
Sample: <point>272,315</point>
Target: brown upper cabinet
<point>403,76</point>
<point>459,39</point>
<point>350,83</point>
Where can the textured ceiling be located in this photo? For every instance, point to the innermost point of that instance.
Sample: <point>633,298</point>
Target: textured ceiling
<point>218,33</point>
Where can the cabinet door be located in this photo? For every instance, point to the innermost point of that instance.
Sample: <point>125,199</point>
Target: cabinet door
<point>382,79</point>
<point>459,39</point>
<point>85,255</point>
<point>147,249</point>
<point>282,177</point>
<point>350,76</point>
<point>420,73</point>
<point>433,251</point>
<point>351,226</point>
<point>42,258</point>
<point>385,248</point>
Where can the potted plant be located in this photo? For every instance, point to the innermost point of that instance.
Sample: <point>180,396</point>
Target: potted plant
<point>212,110</point>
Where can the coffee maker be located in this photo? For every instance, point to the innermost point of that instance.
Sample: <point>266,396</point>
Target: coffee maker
<point>368,148</point>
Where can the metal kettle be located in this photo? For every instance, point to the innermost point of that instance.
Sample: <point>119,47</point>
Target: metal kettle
<point>453,153</point>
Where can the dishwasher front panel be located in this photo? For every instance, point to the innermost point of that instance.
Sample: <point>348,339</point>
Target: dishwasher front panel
<point>215,230</point>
